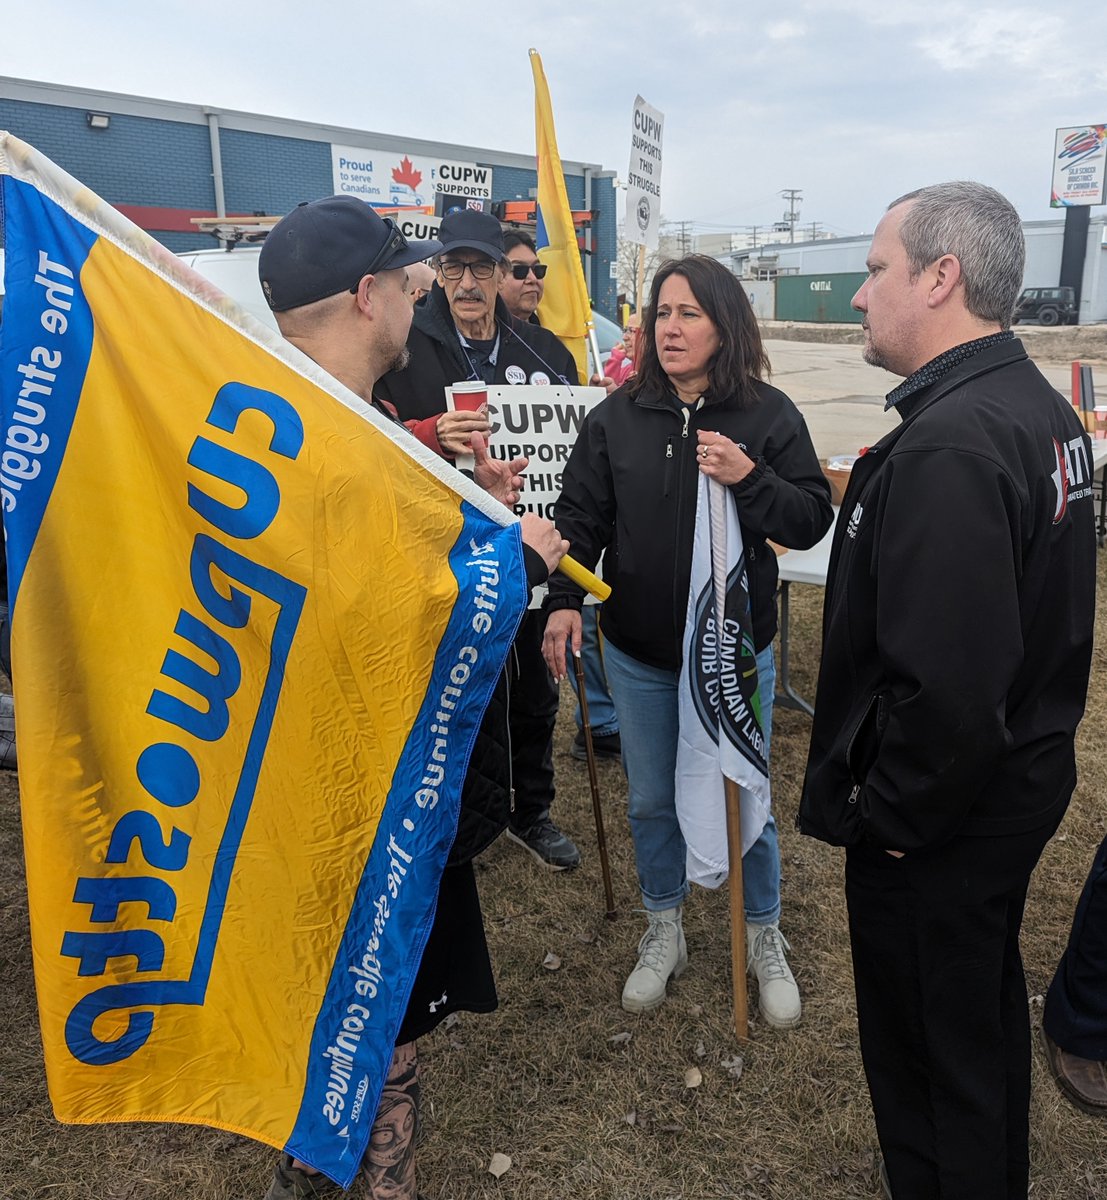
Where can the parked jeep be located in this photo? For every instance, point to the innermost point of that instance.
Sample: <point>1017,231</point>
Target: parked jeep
<point>1047,306</point>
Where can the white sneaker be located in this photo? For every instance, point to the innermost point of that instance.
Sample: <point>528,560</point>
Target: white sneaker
<point>779,996</point>
<point>662,953</point>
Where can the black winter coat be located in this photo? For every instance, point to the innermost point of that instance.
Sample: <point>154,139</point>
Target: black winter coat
<point>438,360</point>
<point>630,487</point>
<point>957,626</point>
<point>486,792</point>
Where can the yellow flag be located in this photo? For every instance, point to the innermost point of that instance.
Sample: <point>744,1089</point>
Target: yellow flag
<point>254,628</point>
<point>565,309</point>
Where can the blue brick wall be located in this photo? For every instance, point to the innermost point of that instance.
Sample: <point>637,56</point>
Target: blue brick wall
<point>512,183</point>
<point>605,288</point>
<point>137,160</point>
<point>143,160</point>
<point>263,173</point>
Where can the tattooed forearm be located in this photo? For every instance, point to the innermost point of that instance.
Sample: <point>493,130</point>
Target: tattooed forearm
<point>389,1162</point>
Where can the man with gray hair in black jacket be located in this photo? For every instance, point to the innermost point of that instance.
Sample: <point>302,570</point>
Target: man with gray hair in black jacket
<point>957,639</point>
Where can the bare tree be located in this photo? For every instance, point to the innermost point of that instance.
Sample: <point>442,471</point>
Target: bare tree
<point>627,266</point>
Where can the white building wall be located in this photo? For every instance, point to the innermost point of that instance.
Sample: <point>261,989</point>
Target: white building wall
<point>1043,260</point>
<point>762,297</point>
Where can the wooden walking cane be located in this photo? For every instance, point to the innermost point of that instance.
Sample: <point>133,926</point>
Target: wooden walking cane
<point>593,782</point>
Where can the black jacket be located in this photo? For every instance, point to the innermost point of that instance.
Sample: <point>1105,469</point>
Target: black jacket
<point>957,626</point>
<point>630,487</point>
<point>486,793</point>
<point>437,360</point>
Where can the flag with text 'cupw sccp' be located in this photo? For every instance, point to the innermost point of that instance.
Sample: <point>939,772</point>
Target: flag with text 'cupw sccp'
<point>255,627</point>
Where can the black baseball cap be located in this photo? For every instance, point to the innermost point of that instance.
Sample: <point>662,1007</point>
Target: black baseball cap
<point>324,247</point>
<point>470,229</point>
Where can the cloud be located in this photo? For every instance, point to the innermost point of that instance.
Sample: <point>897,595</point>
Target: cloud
<point>849,101</point>
<point>784,31</point>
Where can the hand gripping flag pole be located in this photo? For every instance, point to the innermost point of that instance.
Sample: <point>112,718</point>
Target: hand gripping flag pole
<point>717,502</point>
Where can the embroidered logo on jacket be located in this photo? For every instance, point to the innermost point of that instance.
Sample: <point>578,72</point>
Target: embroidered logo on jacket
<point>854,521</point>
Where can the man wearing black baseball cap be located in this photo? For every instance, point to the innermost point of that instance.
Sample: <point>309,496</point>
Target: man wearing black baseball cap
<point>335,275</point>
<point>464,331</point>
<point>323,247</point>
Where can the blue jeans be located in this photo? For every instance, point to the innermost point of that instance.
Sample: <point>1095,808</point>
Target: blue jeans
<point>601,709</point>
<point>646,698</point>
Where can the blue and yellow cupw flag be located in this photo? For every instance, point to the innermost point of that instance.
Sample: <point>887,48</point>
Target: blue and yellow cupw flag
<point>255,628</point>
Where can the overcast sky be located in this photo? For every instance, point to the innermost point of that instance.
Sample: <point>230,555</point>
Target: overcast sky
<point>850,101</point>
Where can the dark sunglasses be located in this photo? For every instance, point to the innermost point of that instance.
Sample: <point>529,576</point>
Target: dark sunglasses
<point>521,270</point>
<point>392,246</point>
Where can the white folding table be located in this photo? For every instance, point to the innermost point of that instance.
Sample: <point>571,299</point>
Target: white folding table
<point>799,566</point>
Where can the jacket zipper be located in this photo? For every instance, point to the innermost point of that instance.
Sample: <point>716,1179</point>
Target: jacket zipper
<point>686,414</point>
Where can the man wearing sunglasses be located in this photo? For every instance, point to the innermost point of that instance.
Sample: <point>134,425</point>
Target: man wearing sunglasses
<point>463,330</point>
<point>524,278</point>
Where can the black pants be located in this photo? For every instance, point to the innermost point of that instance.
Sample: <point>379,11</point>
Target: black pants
<point>532,714</point>
<point>942,1012</point>
<point>1076,1007</point>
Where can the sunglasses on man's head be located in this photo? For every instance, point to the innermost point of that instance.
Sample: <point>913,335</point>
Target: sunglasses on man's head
<point>521,270</point>
<point>394,243</point>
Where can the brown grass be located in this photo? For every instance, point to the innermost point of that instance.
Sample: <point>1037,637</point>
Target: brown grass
<point>547,1079</point>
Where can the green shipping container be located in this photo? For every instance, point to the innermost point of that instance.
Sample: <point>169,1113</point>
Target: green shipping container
<point>819,298</point>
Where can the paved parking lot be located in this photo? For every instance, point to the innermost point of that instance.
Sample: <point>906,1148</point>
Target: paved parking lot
<point>842,397</point>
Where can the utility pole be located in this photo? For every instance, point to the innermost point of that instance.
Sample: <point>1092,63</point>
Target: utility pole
<point>814,231</point>
<point>684,238</point>
<point>793,196</point>
<point>754,230</point>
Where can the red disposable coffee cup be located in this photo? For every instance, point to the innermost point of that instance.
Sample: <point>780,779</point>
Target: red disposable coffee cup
<point>470,396</point>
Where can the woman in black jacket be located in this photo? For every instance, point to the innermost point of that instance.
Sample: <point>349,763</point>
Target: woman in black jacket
<point>698,407</point>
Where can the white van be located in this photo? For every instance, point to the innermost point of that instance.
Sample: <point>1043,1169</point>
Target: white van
<point>236,273</point>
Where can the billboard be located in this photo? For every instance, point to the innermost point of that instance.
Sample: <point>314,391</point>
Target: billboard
<point>387,177</point>
<point>1079,158</point>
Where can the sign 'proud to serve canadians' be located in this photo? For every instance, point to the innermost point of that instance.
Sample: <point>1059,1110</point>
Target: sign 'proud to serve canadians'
<point>392,177</point>
<point>643,219</point>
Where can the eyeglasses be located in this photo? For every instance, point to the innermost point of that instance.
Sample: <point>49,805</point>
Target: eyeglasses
<point>395,243</point>
<point>483,268</point>
<point>521,270</point>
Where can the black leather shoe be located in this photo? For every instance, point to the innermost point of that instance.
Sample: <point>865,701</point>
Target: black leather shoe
<point>607,746</point>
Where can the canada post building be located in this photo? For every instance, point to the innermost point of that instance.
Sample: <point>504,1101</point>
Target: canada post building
<point>164,164</point>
